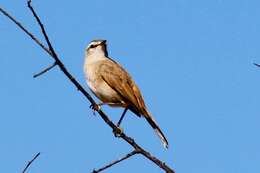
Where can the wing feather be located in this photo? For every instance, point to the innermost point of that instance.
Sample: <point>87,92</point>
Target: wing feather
<point>118,79</point>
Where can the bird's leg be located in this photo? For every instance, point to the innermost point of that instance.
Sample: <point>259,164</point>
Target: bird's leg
<point>119,130</point>
<point>97,106</point>
<point>122,116</point>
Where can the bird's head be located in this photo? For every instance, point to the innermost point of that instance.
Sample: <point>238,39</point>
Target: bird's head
<point>97,47</point>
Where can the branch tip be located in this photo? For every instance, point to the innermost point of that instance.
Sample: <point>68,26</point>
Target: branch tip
<point>44,70</point>
<point>30,162</point>
<point>258,65</point>
<point>127,156</point>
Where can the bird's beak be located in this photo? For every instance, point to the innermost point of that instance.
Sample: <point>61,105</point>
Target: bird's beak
<point>104,42</point>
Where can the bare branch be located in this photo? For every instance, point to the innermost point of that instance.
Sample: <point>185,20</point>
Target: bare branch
<point>30,162</point>
<point>42,29</point>
<point>105,118</point>
<point>57,59</point>
<point>25,30</point>
<point>44,70</point>
<point>256,64</point>
<point>116,161</point>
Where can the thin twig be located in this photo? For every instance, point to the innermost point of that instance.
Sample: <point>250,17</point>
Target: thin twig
<point>105,118</point>
<point>116,161</point>
<point>44,70</point>
<point>42,28</point>
<point>256,64</point>
<point>25,30</point>
<point>57,59</point>
<point>30,162</point>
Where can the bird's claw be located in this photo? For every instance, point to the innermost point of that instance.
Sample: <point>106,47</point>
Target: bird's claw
<point>94,107</point>
<point>118,131</point>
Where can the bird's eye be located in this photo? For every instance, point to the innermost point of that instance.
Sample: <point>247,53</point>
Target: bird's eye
<point>92,46</point>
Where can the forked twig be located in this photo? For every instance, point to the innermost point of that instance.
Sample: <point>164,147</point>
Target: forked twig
<point>53,54</point>
<point>30,162</point>
<point>25,30</point>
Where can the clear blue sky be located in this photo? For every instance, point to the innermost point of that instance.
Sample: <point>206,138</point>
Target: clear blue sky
<point>191,59</point>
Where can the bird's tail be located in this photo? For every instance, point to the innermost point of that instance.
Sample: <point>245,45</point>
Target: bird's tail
<point>156,128</point>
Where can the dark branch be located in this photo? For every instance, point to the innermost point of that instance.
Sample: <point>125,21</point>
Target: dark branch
<point>44,70</point>
<point>30,162</point>
<point>57,59</point>
<point>52,53</point>
<point>116,161</point>
<point>256,64</point>
<point>25,30</point>
<point>42,29</point>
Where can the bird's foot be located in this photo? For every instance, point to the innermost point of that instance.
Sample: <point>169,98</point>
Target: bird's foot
<point>95,107</point>
<point>118,131</point>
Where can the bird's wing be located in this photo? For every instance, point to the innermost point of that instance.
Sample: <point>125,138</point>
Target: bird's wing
<point>118,79</point>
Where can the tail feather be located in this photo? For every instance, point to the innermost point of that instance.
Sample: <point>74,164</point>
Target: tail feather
<point>157,130</point>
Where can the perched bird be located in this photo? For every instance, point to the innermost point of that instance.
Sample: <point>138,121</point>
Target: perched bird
<point>114,86</point>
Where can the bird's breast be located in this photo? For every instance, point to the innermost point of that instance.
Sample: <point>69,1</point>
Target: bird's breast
<point>98,86</point>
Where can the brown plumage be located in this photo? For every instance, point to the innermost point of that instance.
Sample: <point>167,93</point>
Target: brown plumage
<point>113,85</point>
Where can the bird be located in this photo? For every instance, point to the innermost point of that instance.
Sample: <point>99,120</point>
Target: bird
<point>114,86</point>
